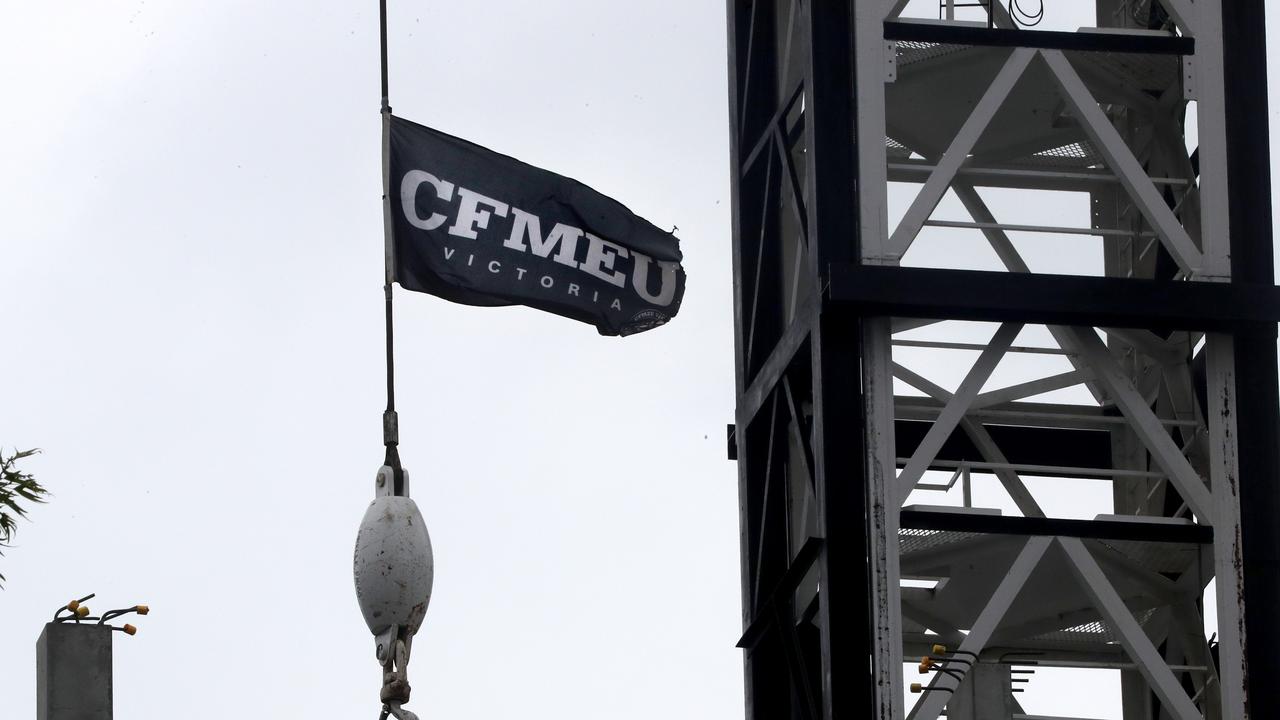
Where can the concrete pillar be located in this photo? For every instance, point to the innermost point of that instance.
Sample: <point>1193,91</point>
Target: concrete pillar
<point>73,672</point>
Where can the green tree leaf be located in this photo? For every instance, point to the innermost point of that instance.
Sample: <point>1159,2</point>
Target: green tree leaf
<point>16,487</point>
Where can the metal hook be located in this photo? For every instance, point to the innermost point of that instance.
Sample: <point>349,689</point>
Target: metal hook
<point>394,646</point>
<point>393,709</point>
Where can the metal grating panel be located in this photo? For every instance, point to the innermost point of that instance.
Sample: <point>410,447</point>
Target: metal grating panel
<point>911,51</point>
<point>897,151</point>
<point>914,541</point>
<point>1165,558</point>
<point>1075,155</point>
<point>1088,635</point>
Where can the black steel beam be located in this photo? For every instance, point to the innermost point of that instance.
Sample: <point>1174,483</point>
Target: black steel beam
<point>1257,410</point>
<point>775,365</point>
<point>766,553</point>
<point>767,615</point>
<point>1090,529</point>
<point>752,49</point>
<point>1045,40</point>
<point>840,486</point>
<point>846,640</point>
<point>868,290</point>
<point>761,143</point>
<point>1021,446</point>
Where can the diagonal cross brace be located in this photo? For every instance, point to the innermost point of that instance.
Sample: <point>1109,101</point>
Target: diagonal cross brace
<point>1145,424</point>
<point>930,706</point>
<point>1003,246</point>
<point>1135,641</point>
<point>1071,378</point>
<point>893,8</point>
<point>958,152</point>
<point>1122,162</point>
<point>955,409</point>
<point>1184,15</point>
<point>982,440</point>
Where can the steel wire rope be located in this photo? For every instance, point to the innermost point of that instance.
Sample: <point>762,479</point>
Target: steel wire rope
<point>390,419</point>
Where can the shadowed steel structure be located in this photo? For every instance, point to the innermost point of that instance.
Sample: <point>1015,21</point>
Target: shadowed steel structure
<point>929,373</point>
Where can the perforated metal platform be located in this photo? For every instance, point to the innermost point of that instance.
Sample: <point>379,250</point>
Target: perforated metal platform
<point>926,104</point>
<point>1052,612</point>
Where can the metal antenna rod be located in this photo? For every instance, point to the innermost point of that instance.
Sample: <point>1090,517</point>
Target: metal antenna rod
<point>382,39</point>
<point>390,420</point>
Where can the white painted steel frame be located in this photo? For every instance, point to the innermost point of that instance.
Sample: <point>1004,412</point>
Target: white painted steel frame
<point>955,409</point>
<point>1203,255</point>
<point>940,688</point>
<point>883,504</point>
<point>957,153</point>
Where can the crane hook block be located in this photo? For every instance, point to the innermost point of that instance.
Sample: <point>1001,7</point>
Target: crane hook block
<point>393,565</point>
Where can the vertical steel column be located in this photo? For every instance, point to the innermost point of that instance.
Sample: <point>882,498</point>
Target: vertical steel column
<point>753,100</point>
<point>1178,407</point>
<point>800,409</point>
<point>1252,258</point>
<point>838,425</point>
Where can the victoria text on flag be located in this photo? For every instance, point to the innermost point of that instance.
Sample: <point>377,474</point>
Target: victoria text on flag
<point>476,227</point>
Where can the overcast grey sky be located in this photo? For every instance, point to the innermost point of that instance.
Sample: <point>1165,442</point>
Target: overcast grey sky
<point>190,271</point>
<point>190,286</point>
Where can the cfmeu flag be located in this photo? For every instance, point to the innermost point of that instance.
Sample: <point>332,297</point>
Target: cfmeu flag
<point>480,228</point>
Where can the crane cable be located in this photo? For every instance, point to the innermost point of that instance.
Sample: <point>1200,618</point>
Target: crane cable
<point>1024,18</point>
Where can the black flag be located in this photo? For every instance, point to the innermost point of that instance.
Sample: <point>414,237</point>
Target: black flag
<point>476,227</point>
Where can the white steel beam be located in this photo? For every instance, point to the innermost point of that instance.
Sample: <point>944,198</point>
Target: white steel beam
<point>1134,639</point>
<point>956,155</point>
<point>1210,81</point>
<point>1188,628</point>
<point>870,60</point>
<point>944,345</point>
<point>884,508</point>
<point>1029,389</point>
<point>1224,471</point>
<point>1186,16</point>
<point>917,171</point>
<point>1008,254</point>
<point>891,9</point>
<point>1149,343</point>
<point>1001,17</point>
<point>1065,470</point>
<point>947,633</point>
<point>931,704</point>
<point>1007,475</point>
<point>1148,427</point>
<point>1038,415</point>
<point>1051,229</point>
<point>956,408</point>
<point>1122,162</point>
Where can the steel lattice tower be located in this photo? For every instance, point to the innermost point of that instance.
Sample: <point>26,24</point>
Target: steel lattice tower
<point>913,439</point>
